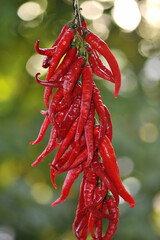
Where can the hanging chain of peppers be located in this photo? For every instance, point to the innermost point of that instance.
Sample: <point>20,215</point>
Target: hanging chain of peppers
<point>84,145</point>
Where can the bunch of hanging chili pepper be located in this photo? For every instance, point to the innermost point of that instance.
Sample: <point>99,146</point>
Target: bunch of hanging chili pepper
<point>83,145</point>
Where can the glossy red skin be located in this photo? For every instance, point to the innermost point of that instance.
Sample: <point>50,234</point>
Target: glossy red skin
<point>44,51</point>
<point>70,117</point>
<point>52,107</point>
<point>95,67</point>
<point>102,66</point>
<point>101,113</point>
<point>109,131</point>
<point>101,47</point>
<point>105,178</point>
<point>66,142</point>
<point>89,186</point>
<point>112,170</point>
<point>89,136</point>
<point>113,222</point>
<point>71,77</point>
<point>43,130</point>
<point>50,84</point>
<point>47,59</point>
<point>61,49</point>
<point>87,86</point>
<point>60,72</point>
<point>69,180</point>
<point>52,143</point>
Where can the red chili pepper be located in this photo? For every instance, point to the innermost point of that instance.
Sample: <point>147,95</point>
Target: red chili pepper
<point>70,117</point>
<point>98,199</point>
<point>43,130</point>
<point>95,67</point>
<point>52,107</point>
<point>69,180</point>
<point>50,84</point>
<point>71,78</point>
<point>82,156</point>
<point>89,186</point>
<point>99,45</point>
<point>52,144</point>
<point>60,163</point>
<point>75,152</point>
<point>79,213</point>
<point>109,124</point>
<point>63,104</point>
<point>82,224</point>
<point>112,170</point>
<point>88,130</point>
<point>113,222</point>
<point>101,113</point>
<point>87,86</point>
<point>104,176</point>
<point>44,51</point>
<point>101,65</point>
<point>91,224</point>
<point>66,142</point>
<point>61,71</point>
<point>61,49</point>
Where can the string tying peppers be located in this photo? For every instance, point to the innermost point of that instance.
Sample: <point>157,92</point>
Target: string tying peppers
<point>84,146</point>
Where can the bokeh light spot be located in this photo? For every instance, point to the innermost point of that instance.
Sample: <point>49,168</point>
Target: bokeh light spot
<point>126,14</point>
<point>34,64</point>
<point>91,9</point>
<point>7,233</point>
<point>132,184</point>
<point>41,193</point>
<point>148,132</point>
<point>125,165</point>
<point>29,10</point>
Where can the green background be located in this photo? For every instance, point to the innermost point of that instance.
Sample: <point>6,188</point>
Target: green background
<point>26,193</point>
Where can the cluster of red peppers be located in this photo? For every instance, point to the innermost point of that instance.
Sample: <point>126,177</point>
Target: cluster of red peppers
<point>84,144</point>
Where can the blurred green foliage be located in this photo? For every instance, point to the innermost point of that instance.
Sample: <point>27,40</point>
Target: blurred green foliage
<point>25,192</point>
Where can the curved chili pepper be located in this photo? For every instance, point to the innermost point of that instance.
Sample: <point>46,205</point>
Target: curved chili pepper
<point>104,177</point>
<point>63,104</point>
<point>66,142</point>
<point>99,45</point>
<point>47,59</point>
<point>88,130</point>
<point>113,222</point>
<point>70,117</point>
<point>96,69</point>
<point>79,213</point>
<point>42,131</point>
<point>89,186</point>
<point>44,51</point>
<point>52,107</point>
<point>82,224</point>
<point>98,199</point>
<point>60,163</point>
<point>75,152</point>
<point>87,86</point>
<point>101,65</point>
<point>101,113</point>
<point>91,224</point>
<point>51,84</point>
<point>109,123</point>
<point>82,156</point>
<point>61,49</point>
<point>61,71</point>
<point>112,170</point>
<point>71,78</point>
<point>52,144</point>
<point>69,180</point>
